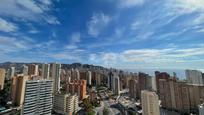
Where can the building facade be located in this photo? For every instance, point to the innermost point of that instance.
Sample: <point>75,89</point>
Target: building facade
<point>134,89</point>
<point>77,87</point>
<point>150,103</point>
<point>194,77</point>
<point>55,76</point>
<point>2,78</point>
<point>65,104</point>
<point>32,70</point>
<point>38,97</point>
<point>18,89</point>
<point>45,71</point>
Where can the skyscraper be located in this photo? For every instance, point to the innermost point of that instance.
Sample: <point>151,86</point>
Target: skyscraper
<point>150,103</point>
<point>10,72</point>
<point>32,69</point>
<point>18,89</point>
<point>116,88</point>
<point>161,75</point>
<point>45,71</point>
<point>55,75</point>
<point>38,98</point>
<point>25,70</point>
<point>2,78</point>
<point>194,77</point>
<point>134,89</point>
<point>165,94</point>
<point>110,80</point>
<point>89,78</point>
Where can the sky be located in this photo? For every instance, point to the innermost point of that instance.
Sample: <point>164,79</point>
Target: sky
<point>127,34</point>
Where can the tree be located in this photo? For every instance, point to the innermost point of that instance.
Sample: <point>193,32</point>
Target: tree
<point>88,106</point>
<point>5,93</point>
<point>105,111</point>
<point>90,112</point>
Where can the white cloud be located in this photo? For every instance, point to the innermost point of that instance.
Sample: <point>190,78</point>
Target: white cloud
<point>182,7</point>
<point>200,30</point>
<point>108,57</point>
<point>74,39</point>
<point>30,5</point>
<point>187,6</point>
<point>28,10</point>
<point>71,46</point>
<point>13,44</point>
<point>31,29</point>
<point>6,26</point>
<point>130,3</point>
<point>46,2</point>
<point>93,57</point>
<point>167,57</point>
<point>54,35</point>
<point>68,55</point>
<point>97,24</point>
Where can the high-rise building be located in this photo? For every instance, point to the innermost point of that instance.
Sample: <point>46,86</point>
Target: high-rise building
<point>172,94</point>
<point>2,78</point>
<point>55,75</point>
<point>165,94</point>
<point>194,77</point>
<point>88,78</point>
<point>99,79</point>
<point>77,87</point>
<point>150,103</point>
<point>196,95</point>
<point>38,98</point>
<point>75,74</point>
<point>116,89</point>
<point>72,104</point>
<point>154,85</point>
<point>65,104</point>
<point>45,71</point>
<point>25,70</point>
<point>32,70</point>
<point>18,89</point>
<point>142,81</point>
<point>201,109</point>
<point>10,73</point>
<point>180,96</point>
<point>134,89</point>
<point>161,75</point>
<point>110,80</point>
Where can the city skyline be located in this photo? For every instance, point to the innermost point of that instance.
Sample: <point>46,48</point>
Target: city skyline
<point>126,34</point>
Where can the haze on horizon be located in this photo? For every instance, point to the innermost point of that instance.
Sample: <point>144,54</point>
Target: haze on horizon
<point>129,34</point>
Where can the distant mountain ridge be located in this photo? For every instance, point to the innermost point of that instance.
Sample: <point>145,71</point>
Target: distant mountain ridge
<point>7,65</point>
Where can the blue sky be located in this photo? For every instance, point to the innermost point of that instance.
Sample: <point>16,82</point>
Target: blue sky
<point>134,34</point>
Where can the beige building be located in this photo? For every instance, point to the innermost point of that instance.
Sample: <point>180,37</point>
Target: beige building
<point>65,104</point>
<point>2,78</point>
<point>55,72</point>
<point>150,103</point>
<point>18,89</point>
<point>32,69</point>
